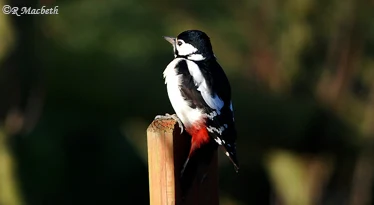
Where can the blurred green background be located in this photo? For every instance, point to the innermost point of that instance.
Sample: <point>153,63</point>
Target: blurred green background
<point>78,90</point>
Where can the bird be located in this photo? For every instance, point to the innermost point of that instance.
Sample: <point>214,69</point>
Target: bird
<point>200,94</point>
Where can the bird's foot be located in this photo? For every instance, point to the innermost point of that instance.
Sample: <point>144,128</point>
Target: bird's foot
<point>173,116</point>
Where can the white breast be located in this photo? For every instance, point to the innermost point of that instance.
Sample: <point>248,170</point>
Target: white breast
<point>181,107</point>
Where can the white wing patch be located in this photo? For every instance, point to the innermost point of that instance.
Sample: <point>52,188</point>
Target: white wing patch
<point>214,102</point>
<point>217,130</point>
<point>218,140</point>
<point>211,115</point>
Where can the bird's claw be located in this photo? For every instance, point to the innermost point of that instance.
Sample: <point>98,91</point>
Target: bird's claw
<point>173,116</point>
<point>180,124</point>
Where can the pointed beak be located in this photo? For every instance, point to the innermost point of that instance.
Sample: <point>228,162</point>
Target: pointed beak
<point>170,39</point>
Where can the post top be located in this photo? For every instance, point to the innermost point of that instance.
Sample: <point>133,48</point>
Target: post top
<point>167,125</point>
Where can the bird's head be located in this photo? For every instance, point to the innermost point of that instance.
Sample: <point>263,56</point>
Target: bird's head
<point>192,44</point>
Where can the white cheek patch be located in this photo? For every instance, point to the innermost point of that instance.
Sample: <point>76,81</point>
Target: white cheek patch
<point>196,57</point>
<point>186,49</point>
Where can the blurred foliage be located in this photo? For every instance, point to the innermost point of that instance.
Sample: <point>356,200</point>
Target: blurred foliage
<point>78,90</point>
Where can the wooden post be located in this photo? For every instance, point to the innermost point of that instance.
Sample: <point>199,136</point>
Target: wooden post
<point>167,151</point>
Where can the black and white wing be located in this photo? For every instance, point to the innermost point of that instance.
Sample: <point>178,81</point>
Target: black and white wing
<point>209,90</point>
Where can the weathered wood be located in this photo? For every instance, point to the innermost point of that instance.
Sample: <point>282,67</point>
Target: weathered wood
<point>167,151</point>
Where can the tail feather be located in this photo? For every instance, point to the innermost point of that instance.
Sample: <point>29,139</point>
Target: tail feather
<point>201,157</point>
<point>230,151</point>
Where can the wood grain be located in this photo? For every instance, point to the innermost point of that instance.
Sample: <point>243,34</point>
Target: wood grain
<point>167,151</point>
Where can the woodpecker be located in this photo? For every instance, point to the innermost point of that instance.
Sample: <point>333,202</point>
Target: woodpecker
<point>200,94</point>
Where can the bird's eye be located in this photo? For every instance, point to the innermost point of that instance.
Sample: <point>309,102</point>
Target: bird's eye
<point>179,43</point>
